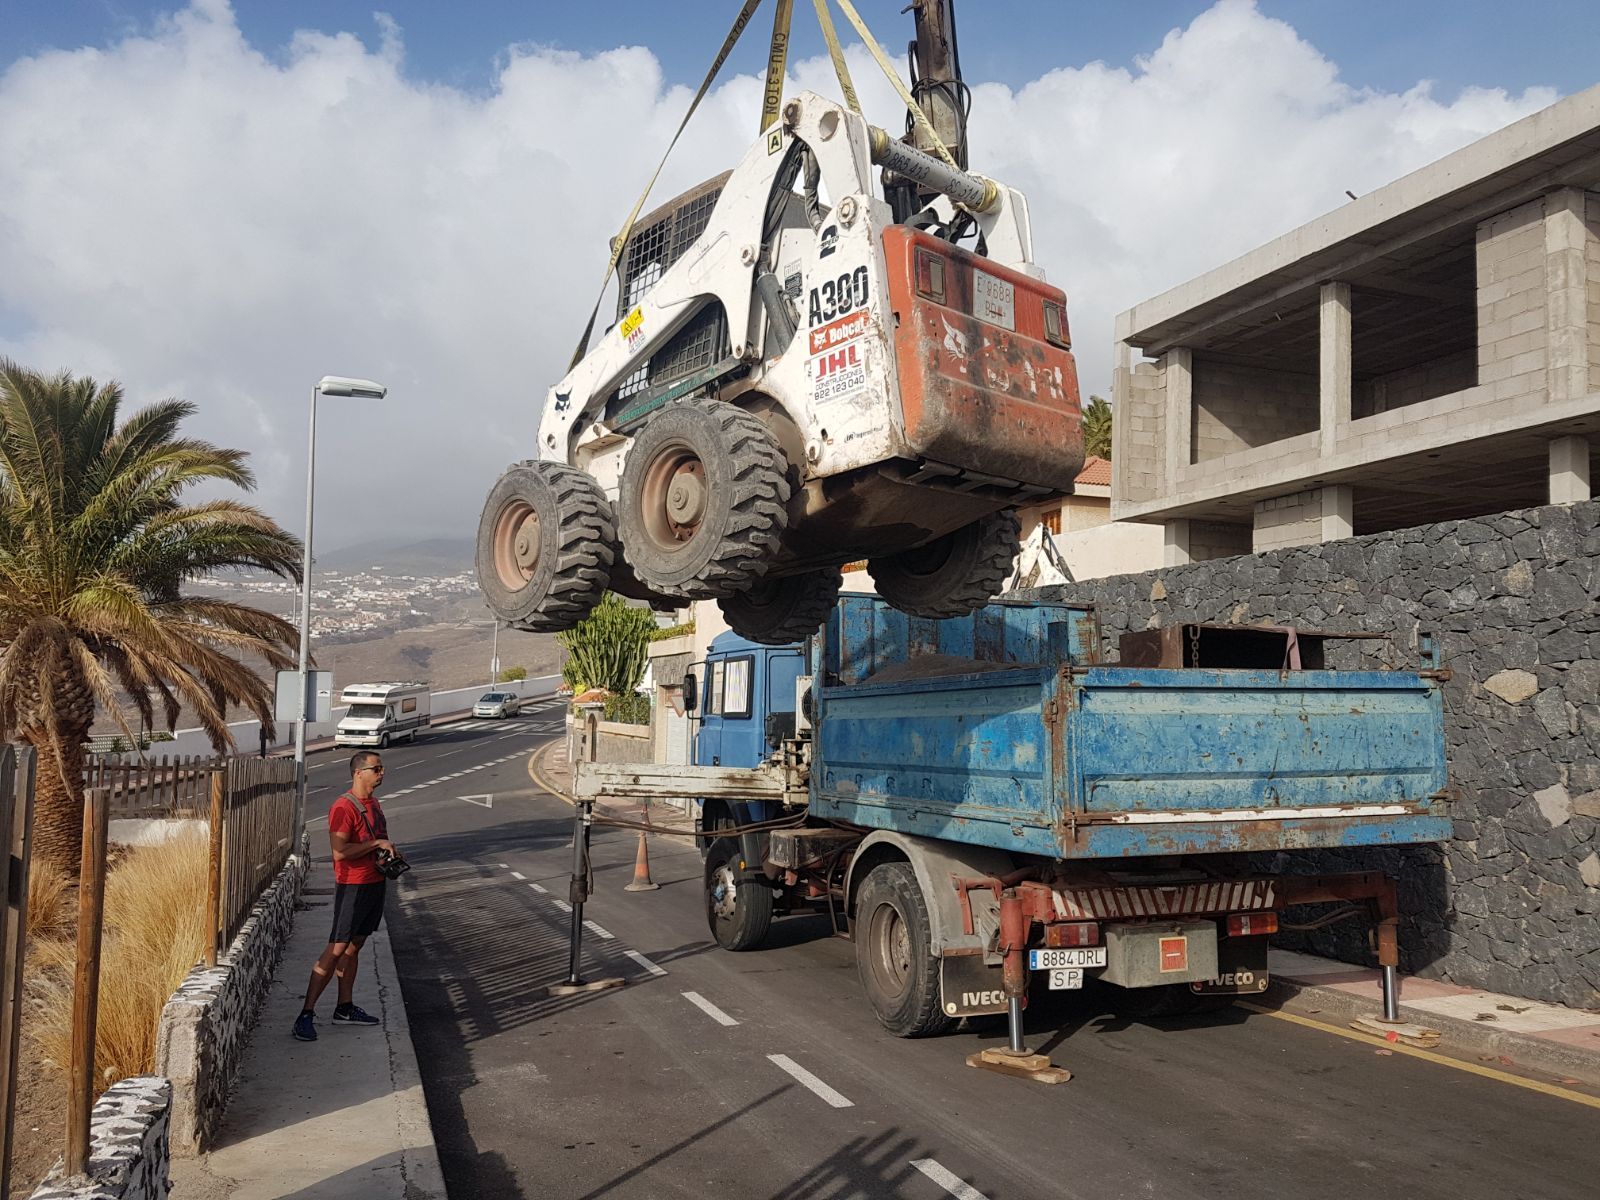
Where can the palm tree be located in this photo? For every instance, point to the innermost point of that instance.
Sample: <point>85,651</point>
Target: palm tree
<point>94,548</point>
<point>1097,427</point>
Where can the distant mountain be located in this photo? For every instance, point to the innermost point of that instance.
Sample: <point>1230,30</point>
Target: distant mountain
<point>430,557</point>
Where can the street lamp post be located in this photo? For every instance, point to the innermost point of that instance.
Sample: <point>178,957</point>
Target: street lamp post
<point>328,385</point>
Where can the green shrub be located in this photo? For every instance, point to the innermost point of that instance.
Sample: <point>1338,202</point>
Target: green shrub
<point>608,648</point>
<point>628,708</point>
<point>512,674</point>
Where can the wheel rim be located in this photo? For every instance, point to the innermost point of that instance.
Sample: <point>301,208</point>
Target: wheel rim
<point>673,496</point>
<point>724,892</point>
<point>889,945</point>
<point>516,544</point>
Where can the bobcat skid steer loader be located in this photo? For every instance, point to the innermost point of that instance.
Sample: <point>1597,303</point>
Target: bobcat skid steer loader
<point>797,381</point>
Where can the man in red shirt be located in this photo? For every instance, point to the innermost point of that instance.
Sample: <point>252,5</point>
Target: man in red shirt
<point>357,831</point>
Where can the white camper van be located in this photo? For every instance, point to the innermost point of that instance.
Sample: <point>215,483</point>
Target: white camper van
<point>381,713</point>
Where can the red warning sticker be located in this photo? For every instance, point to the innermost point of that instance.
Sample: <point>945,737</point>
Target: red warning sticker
<point>1174,954</point>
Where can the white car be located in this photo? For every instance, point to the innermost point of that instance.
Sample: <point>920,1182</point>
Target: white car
<point>497,704</point>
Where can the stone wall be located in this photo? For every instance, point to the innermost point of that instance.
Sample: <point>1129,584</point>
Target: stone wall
<point>1511,903</point>
<point>206,1025</point>
<point>128,1152</point>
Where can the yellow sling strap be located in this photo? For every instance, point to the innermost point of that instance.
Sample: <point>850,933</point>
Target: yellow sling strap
<point>777,63</point>
<point>915,109</point>
<point>831,36</point>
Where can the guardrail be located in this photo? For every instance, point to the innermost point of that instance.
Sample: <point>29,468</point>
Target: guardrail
<point>247,735</point>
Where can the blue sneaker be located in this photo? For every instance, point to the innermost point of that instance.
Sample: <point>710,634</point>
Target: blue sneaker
<point>350,1014</point>
<point>305,1027</point>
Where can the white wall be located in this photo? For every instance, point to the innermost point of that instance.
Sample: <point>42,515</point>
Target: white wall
<point>1120,548</point>
<point>247,738</point>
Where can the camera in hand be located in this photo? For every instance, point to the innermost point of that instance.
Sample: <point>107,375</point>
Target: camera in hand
<point>390,865</point>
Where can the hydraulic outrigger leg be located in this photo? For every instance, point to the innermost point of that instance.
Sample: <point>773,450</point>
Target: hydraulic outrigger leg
<point>578,892</point>
<point>1016,1059</point>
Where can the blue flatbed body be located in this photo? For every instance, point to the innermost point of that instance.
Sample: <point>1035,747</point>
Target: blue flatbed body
<point>1001,730</point>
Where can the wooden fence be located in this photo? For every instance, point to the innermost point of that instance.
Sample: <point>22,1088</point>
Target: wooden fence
<point>249,816</point>
<point>16,834</point>
<point>257,806</point>
<point>157,787</point>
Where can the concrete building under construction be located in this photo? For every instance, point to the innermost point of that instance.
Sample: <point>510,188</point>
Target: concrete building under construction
<point>1428,351</point>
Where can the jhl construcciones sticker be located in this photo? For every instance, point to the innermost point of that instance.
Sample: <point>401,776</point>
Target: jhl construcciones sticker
<point>838,366</point>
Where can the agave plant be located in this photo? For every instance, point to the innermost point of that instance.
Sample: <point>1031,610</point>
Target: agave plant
<point>95,547</point>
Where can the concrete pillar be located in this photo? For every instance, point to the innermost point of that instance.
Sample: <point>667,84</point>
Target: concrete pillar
<point>1338,513</point>
<point>1303,519</point>
<point>1566,306</point>
<point>1175,545</point>
<point>1333,386</point>
<point>1180,412</point>
<point>1569,470</point>
<point>1121,409</point>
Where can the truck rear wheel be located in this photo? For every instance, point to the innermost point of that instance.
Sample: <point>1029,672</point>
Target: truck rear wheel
<point>894,953</point>
<point>775,612</point>
<point>954,574</point>
<point>544,551</point>
<point>738,909</point>
<point>703,500</point>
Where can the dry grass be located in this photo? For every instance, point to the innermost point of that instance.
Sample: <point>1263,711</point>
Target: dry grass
<point>155,932</point>
<point>49,889</point>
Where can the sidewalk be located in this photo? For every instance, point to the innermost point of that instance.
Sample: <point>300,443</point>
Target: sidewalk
<point>341,1118</point>
<point>1545,1039</point>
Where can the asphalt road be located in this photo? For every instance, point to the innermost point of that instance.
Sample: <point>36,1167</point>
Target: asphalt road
<point>765,1075</point>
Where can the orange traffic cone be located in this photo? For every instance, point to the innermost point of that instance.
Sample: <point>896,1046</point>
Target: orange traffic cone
<point>641,870</point>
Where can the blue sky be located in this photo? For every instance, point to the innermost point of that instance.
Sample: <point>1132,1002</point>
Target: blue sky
<point>226,203</point>
<point>1382,44</point>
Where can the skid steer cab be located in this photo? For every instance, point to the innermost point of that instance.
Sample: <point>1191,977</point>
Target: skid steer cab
<point>796,381</point>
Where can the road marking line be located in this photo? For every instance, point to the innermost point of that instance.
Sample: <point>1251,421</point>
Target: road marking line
<point>833,1098</point>
<point>503,866</point>
<point>948,1180</point>
<point>562,905</point>
<point>644,962</point>
<point>600,931</point>
<point>710,1009</point>
<point>1533,1085</point>
<point>538,889</point>
<point>518,875</point>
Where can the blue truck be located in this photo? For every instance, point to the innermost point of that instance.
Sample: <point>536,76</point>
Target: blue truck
<point>980,801</point>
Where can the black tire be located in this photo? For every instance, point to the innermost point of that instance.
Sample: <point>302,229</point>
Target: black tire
<point>739,911</point>
<point>776,612</point>
<point>383,741</point>
<point>703,500</point>
<point>894,953</point>
<point>954,574</point>
<point>544,550</point>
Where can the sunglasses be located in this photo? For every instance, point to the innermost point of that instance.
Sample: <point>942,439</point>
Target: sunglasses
<point>378,769</point>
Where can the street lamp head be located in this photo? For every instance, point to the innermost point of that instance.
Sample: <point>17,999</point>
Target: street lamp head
<point>339,385</point>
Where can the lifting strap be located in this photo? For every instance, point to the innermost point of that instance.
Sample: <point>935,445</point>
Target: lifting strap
<point>917,115</point>
<point>831,36</point>
<point>621,240</point>
<point>777,63</point>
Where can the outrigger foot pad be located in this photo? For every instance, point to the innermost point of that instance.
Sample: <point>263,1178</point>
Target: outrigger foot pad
<point>1408,1032</point>
<point>573,989</point>
<point>1002,1061</point>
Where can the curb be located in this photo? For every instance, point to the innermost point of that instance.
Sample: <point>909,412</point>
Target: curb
<point>419,1157</point>
<point>1460,1038</point>
<point>539,778</point>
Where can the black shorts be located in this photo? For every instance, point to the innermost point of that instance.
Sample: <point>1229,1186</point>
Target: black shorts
<point>357,910</point>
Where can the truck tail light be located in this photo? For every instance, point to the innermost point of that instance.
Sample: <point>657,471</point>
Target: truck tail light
<point>1252,924</point>
<point>1055,326</point>
<point>1075,933</point>
<point>930,276</point>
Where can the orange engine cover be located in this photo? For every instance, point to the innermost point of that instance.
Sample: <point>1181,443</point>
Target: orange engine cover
<point>987,382</point>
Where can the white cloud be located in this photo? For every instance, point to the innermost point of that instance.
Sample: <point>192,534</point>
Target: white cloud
<point>193,216</point>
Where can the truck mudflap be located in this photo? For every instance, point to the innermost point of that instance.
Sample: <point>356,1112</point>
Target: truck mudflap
<point>1241,969</point>
<point>970,987</point>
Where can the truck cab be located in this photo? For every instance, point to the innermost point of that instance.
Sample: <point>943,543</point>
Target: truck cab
<point>744,705</point>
